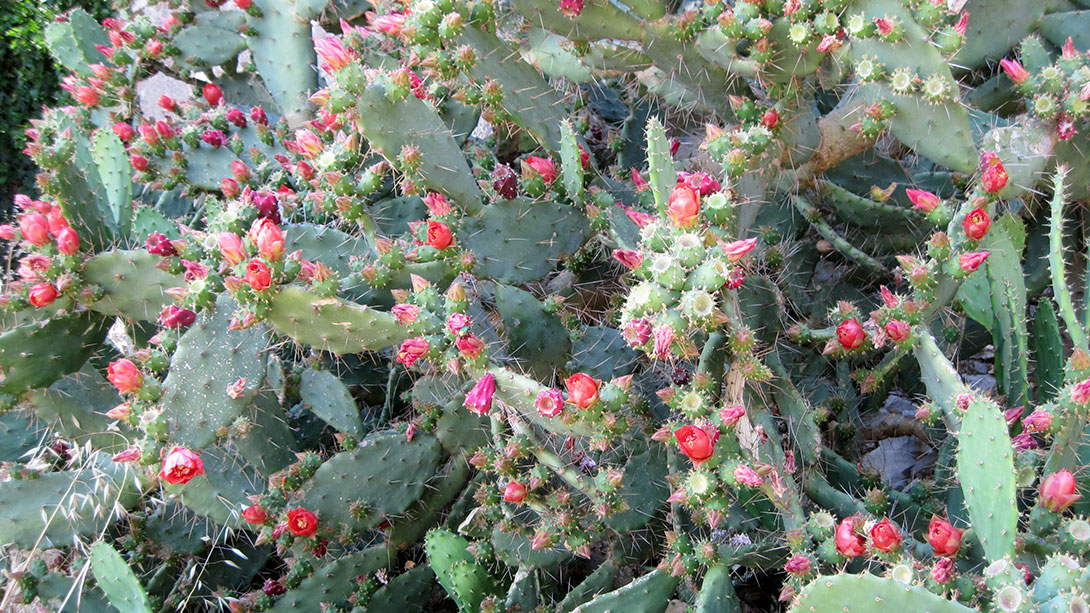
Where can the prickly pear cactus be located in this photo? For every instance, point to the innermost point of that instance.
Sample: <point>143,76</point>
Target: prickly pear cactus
<point>558,305</point>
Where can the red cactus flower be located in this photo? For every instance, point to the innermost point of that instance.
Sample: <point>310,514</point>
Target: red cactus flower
<point>439,235</point>
<point>994,176</point>
<point>302,522</point>
<point>945,539</point>
<point>885,536</point>
<point>181,465</point>
<point>976,224</point>
<point>258,276</point>
<point>849,543</point>
<point>695,442</point>
<point>332,53</point>
<point>470,346</point>
<point>124,131</point>
<point>582,390</point>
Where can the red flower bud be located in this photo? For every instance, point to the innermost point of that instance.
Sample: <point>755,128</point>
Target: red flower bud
<point>514,492</point>
<point>255,514</point>
<point>35,228</point>
<point>898,330</point>
<point>923,200</point>
<point>125,376</point>
<point>174,317</point>
<point>42,294</point>
<point>994,176</point>
<point>139,162</point>
<point>850,334</point>
<point>534,165</point>
<point>945,539</point>
<point>582,390</point>
<point>885,536</point>
<point>684,206</point>
<point>969,262</point>
<point>167,103</point>
<point>124,131</point>
<point>213,94</point>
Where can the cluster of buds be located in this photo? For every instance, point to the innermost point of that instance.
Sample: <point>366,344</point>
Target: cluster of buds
<point>1058,92</point>
<point>50,266</point>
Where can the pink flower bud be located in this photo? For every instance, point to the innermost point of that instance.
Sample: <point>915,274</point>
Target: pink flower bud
<point>174,317</point>
<point>236,117</point>
<point>737,250</point>
<point>1014,70</point>
<point>405,313</point>
<point>332,53</point>
<point>897,330</point>
<point>1059,491</point>
<point>798,565</point>
<point>268,238</point>
<point>214,138</point>
<point>1037,421</point>
<point>479,399</point>
<point>157,244</point>
<point>124,131</point>
<point>943,571</point>
<point>1080,393</point>
<point>664,336</point>
<point>308,143</point>
<point>969,262</point>
<point>637,332</point>
<point>630,258</point>
<point>730,415</point>
<point>67,241</point>
<point>167,103</point>
<point>923,200</point>
<point>231,248</point>
<point>747,476</point>
<point>470,346</point>
<point>458,322</point>
<point>130,454</point>
<point>412,350</point>
<point>257,115</point>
